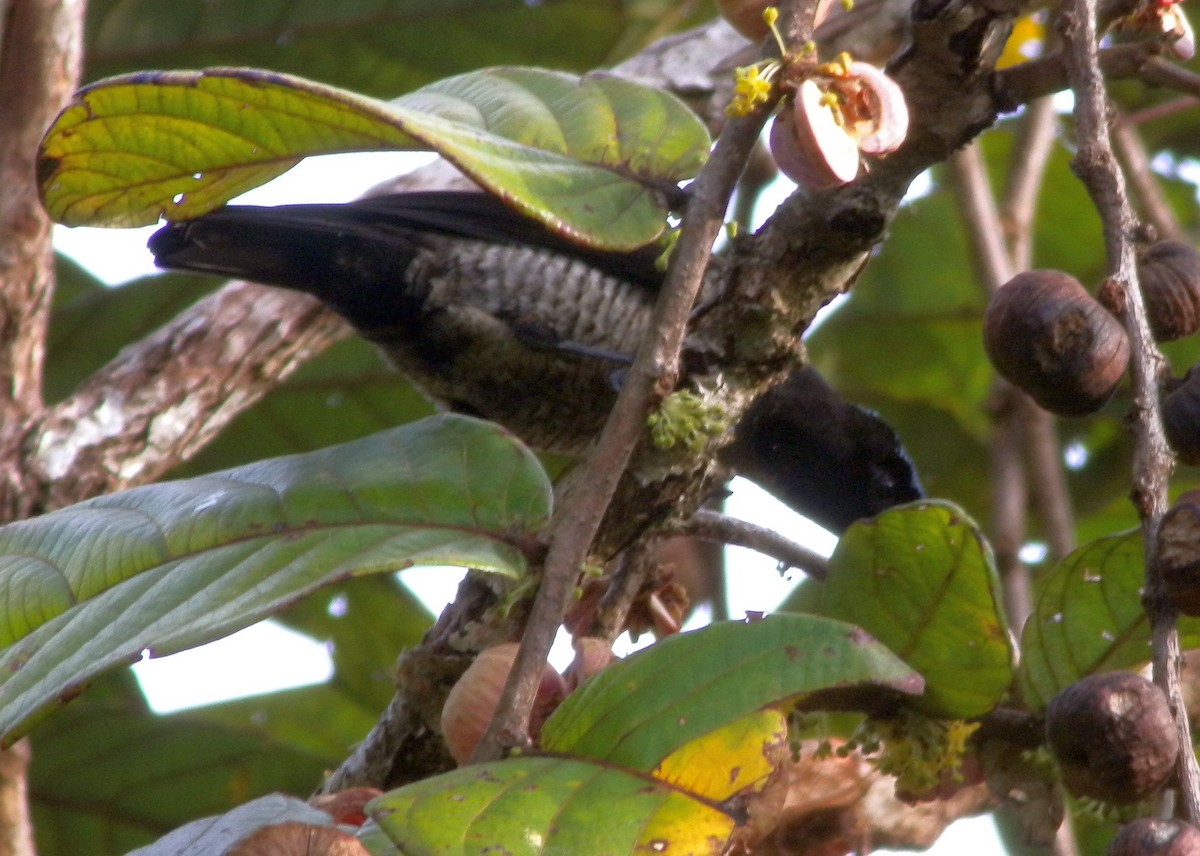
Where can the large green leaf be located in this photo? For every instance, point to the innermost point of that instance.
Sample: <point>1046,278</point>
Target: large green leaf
<point>531,806</point>
<point>379,48</point>
<point>1088,618</point>
<point>169,566</point>
<point>586,156</point>
<point>637,712</point>
<point>922,580</point>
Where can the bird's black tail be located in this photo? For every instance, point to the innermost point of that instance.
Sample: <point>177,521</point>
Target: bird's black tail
<point>354,263</point>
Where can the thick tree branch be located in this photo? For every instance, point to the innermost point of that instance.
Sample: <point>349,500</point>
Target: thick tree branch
<point>40,58</point>
<point>1097,167</point>
<point>162,399</point>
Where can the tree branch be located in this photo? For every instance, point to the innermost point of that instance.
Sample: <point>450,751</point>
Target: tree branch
<point>40,58</point>
<point>1097,168</point>
<point>163,398</point>
<point>1152,202</point>
<point>1047,480</point>
<point>1009,493</point>
<point>653,375</point>
<point>714,526</point>
<point>41,46</point>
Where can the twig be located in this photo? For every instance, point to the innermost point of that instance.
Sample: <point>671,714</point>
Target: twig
<point>1047,479</point>
<point>1035,140</point>
<point>1152,202</point>
<point>1162,111</point>
<point>652,376</point>
<point>1097,168</point>
<point>633,567</point>
<point>993,269</point>
<point>714,526</point>
<point>1047,482</point>
<point>1038,78</point>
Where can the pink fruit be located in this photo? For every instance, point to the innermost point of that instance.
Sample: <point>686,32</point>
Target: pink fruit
<point>472,701</point>
<point>808,143</point>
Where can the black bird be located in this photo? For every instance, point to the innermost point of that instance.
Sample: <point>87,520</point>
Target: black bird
<point>489,313</point>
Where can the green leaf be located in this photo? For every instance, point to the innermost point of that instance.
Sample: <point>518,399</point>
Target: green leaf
<point>639,710</point>
<point>1088,618</point>
<point>922,580</point>
<point>531,806</point>
<point>169,566</point>
<point>381,49</point>
<point>584,155</point>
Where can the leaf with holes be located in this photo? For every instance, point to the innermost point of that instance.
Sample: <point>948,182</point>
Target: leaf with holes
<point>922,580</point>
<point>588,156</point>
<point>1088,618</point>
<point>169,566</point>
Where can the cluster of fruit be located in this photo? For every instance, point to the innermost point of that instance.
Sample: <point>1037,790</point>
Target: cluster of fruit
<point>1045,334</point>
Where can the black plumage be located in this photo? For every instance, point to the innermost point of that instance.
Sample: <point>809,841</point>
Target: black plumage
<point>489,313</point>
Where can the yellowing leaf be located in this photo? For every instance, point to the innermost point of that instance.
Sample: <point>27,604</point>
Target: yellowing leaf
<point>729,760</point>
<point>531,806</point>
<point>588,156</point>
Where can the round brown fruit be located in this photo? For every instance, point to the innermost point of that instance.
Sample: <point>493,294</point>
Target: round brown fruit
<point>1048,336</point>
<point>1113,736</point>
<point>473,699</point>
<point>1178,552</point>
<point>1153,837</point>
<point>1181,417</point>
<point>1170,276</point>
